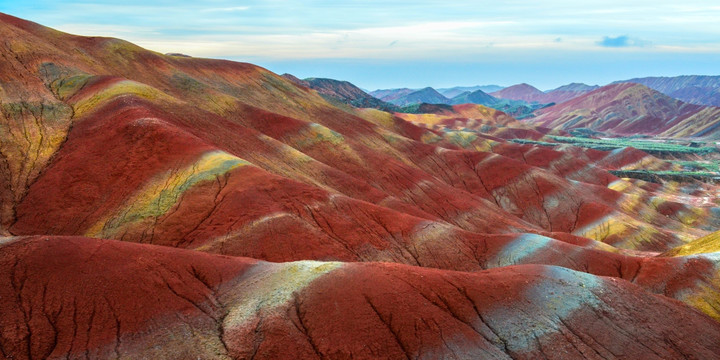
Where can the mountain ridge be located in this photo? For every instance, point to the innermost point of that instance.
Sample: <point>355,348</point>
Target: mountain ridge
<point>685,87</point>
<point>629,109</point>
<point>343,91</point>
<point>457,90</point>
<point>425,95</point>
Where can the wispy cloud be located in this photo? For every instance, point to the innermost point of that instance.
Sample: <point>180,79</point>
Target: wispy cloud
<point>309,32</point>
<point>622,41</point>
<point>428,25</point>
<point>227,9</point>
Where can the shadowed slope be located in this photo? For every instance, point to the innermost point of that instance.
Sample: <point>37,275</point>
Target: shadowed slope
<point>343,92</point>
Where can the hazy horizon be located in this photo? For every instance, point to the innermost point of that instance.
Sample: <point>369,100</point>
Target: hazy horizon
<point>392,44</point>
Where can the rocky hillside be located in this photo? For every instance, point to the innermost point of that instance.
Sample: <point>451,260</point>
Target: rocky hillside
<point>343,92</point>
<point>694,89</point>
<point>159,206</point>
<point>631,109</point>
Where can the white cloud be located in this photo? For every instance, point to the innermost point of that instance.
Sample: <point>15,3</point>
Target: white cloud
<point>427,30</point>
<point>227,9</point>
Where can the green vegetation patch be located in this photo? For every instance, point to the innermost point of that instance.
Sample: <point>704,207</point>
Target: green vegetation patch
<point>651,147</point>
<point>659,176</point>
<point>533,142</point>
<point>67,87</point>
<point>699,166</point>
<point>187,83</point>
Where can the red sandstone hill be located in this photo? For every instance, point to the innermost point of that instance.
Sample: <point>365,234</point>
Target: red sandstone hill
<point>694,89</point>
<point>185,175</point>
<point>209,306</point>
<point>567,92</point>
<point>530,94</point>
<point>628,109</point>
<point>524,92</point>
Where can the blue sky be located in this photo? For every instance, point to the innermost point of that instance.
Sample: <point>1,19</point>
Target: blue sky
<point>383,44</point>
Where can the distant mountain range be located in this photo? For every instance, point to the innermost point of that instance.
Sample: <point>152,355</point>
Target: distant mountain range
<point>513,105</point>
<point>457,90</point>
<point>517,108</point>
<point>525,93</point>
<point>475,97</point>
<point>694,89</point>
<point>568,92</point>
<point>631,109</point>
<point>427,95</point>
<point>522,92</point>
<point>390,95</point>
<point>626,108</point>
<point>531,94</point>
<point>342,91</point>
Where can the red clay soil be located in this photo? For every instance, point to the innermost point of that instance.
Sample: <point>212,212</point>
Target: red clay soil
<point>623,109</point>
<point>409,242</point>
<point>192,305</point>
<point>404,183</point>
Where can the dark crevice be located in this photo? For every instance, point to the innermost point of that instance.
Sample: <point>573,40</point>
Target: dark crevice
<point>388,324</point>
<point>89,331</point>
<point>221,332</point>
<point>637,272</point>
<point>118,333</point>
<point>52,345</point>
<point>622,331</point>
<point>500,343</point>
<point>302,326</point>
<point>185,240</point>
<point>259,336</point>
<point>582,339</point>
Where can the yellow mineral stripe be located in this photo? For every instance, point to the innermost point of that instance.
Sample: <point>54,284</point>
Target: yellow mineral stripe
<point>161,194</point>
